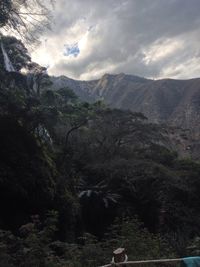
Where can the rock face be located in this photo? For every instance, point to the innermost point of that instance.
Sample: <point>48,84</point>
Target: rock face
<point>176,102</point>
<point>83,89</point>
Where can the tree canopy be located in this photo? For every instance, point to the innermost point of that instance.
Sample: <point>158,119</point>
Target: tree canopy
<point>25,19</point>
<point>78,178</point>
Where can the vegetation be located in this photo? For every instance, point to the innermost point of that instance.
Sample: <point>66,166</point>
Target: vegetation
<point>26,18</point>
<point>78,180</point>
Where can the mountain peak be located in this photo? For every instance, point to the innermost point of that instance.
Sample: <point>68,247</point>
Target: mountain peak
<point>165,100</point>
<point>120,76</point>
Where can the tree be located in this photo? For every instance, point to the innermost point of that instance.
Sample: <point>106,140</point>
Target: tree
<point>17,52</point>
<point>116,132</point>
<point>25,18</point>
<point>27,173</point>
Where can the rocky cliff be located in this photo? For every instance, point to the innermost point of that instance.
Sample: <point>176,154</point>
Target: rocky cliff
<point>172,102</point>
<point>176,102</point>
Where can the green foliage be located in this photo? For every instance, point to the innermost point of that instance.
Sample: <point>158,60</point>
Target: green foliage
<point>17,52</point>
<point>140,244</point>
<point>129,233</point>
<point>194,247</point>
<point>27,173</point>
<point>37,248</point>
<point>91,164</point>
<point>32,247</point>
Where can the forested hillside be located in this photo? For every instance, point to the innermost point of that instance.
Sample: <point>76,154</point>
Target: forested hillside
<point>79,179</point>
<point>168,101</point>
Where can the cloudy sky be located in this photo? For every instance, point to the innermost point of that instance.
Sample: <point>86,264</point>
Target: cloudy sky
<point>149,38</point>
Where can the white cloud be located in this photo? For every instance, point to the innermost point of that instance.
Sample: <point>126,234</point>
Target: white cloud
<point>162,49</point>
<point>142,37</point>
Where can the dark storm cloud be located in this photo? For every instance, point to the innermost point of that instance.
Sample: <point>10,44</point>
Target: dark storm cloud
<point>151,38</point>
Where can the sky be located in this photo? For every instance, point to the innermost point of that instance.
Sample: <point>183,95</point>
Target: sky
<point>149,38</point>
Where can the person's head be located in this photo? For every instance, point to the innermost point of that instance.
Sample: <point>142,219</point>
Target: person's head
<point>119,255</point>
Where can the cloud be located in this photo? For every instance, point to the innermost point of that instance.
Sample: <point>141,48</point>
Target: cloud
<point>142,37</point>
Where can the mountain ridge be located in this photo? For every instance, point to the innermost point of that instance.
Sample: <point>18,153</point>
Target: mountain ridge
<point>166,100</point>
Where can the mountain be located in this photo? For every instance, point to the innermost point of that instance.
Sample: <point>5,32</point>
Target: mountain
<point>174,101</point>
<point>83,89</point>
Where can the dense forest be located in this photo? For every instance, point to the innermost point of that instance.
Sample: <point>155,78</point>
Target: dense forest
<point>78,180</point>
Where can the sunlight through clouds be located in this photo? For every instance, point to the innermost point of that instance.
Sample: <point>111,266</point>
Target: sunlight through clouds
<point>139,37</point>
<point>162,49</point>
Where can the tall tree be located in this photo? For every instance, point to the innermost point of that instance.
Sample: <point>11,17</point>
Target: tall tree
<point>26,18</point>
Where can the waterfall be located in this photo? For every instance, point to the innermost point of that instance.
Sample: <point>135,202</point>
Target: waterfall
<point>35,83</point>
<point>7,63</point>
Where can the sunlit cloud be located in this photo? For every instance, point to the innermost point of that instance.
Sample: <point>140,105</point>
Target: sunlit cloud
<point>148,38</point>
<point>162,49</point>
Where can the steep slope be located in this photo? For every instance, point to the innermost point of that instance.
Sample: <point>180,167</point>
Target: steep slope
<point>81,88</point>
<point>176,102</point>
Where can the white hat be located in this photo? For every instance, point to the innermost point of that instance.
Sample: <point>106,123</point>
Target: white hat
<point>118,251</point>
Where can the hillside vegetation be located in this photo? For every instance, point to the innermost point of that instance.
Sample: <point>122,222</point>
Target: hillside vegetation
<point>79,179</point>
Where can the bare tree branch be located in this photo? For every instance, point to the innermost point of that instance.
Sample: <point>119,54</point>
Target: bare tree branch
<point>18,16</point>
